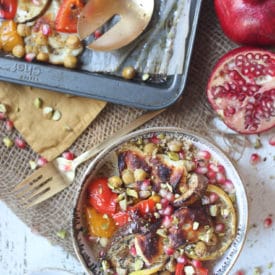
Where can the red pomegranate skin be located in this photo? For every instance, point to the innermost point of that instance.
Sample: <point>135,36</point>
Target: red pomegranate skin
<point>247,22</point>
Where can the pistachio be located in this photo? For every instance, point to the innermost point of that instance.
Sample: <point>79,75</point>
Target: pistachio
<point>105,266</point>
<point>162,232</point>
<point>8,142</point>
<point>132,193</point>
<point>38,102</point>
<point>103,242</point>
<point>213,210</point>
<point>48,112</point>
<point>149,148</point>
<point>128,176</point>
<point>62,234</point>
<point>32,164</point>
<point>257,144</point>
<point>145,77</point>
<point>3,108</point>
<point>138,264</point>
<point>123,204</point>
<point>56,115</point>
<point>173,156</point>
<point>114,182</point>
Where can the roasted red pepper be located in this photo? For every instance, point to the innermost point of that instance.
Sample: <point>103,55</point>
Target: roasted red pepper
<point>66,20</point>
<point>8,9</point>
<point>143,207</point>
<point>101,197</point>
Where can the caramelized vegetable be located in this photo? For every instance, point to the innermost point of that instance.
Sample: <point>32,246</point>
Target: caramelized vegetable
<point>99,224</point>
<point>9,38</point>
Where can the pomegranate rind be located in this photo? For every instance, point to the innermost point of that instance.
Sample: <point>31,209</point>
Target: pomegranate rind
<point>244,99</point>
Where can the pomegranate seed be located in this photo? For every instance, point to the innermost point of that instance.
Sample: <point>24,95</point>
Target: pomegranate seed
<point>213,197</point>
<point>220,227</point>
<point>30,57</point>
<point>155,140</point>
<point>2,116</point>
<point>255,159</point>
<point>182,260</point>
<point>167,221</point>
<point>211,175</point>
<point>169,251</point>
<point>97,34</point>
<point>9,125</point>
<point>201,170</point>
<point>46,29</point>
<point>239,272</point>
<point>164,202</point>
<point>203,154</point>
<point>181,154</point>
<point>168,210</point>
<point>68,155</point>
<point>272,141</point>
<point>221,168</point>
<point>196,263</point>
<point>220,178</point>
<point>20,143</point>
<point>212,167</point>
<point>41,161</point>
<point>268,222</point>
<point>229,186</point>
<point>133,251</point>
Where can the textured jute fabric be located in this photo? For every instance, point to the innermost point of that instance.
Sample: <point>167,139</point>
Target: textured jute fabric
<point>191,112</point>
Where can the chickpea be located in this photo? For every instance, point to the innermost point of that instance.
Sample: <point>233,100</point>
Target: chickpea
<point>70,61</point>
<point>23,30</point>
<point>128,176</point>
<point>140,175</point>
<point>128,72</point>
<point>175,145</point>
<point>31,49</point>
<point>114,182</point>
<point>41,40</point>
<point>200,249</point>
<point>73,42</point>
<point>18,51</point>
<point>43,57</point>
<point>149,148</point>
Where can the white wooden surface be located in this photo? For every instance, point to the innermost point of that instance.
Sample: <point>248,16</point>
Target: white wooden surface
<point>23,252</point>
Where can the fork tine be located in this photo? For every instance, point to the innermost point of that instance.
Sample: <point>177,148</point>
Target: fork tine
<point>44,195</point>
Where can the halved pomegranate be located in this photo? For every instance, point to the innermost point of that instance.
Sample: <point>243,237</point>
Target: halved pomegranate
<point>241,90</point>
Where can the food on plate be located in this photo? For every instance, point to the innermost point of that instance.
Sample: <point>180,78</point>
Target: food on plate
<point>250,22</point>
<point>241,89</point>
<point>165,208</point>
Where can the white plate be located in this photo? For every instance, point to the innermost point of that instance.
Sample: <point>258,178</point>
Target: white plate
<point>104,162</point>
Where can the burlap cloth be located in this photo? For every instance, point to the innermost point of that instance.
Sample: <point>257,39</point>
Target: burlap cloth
<point>192,112</point>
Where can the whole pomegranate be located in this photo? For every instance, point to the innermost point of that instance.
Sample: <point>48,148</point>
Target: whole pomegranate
<point>241,89</point>
<point>250,22</point>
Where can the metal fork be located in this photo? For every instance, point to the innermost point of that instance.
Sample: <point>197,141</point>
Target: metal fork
<point>55,176</point>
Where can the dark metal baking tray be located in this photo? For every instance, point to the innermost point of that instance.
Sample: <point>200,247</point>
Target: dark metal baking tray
<point>101,86</point>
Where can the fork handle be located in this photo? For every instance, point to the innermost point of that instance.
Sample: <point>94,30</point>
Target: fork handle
<point>127,129</point>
